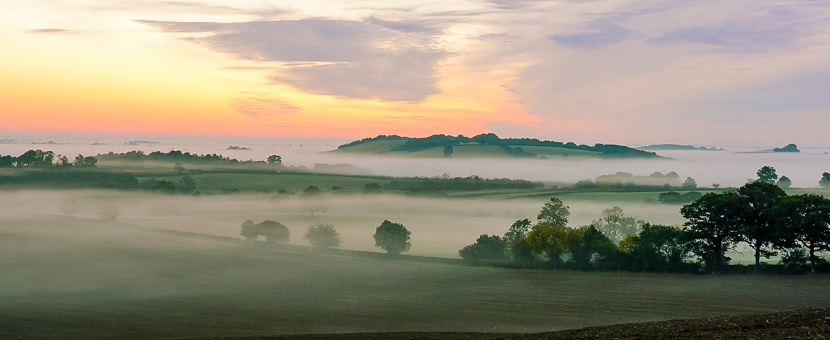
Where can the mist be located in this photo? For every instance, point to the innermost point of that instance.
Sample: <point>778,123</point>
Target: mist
<point>729,168</point>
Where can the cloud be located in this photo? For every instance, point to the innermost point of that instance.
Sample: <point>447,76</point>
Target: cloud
<point>51,31</point>
<point>604,32</point>
<point>263,107</point>
<point>355,59</point>
<point>758,31</point>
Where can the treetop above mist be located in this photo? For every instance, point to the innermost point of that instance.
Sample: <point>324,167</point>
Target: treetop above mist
<point>512,146</point>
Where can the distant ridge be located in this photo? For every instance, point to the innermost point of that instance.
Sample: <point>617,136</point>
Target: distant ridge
<point>488,144</point>
<point>665,147</point>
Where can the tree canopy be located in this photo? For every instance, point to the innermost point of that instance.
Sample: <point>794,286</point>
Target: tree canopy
<point>392,237</point>
<point>554,212</point>
<point>323,236</point>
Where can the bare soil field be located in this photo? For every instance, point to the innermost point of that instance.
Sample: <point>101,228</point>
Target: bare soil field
<point>72,278</point>
<point>797,324</point>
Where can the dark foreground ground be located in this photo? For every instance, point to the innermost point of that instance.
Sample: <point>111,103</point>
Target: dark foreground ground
<point>797,324</point>
<point>68,278</point>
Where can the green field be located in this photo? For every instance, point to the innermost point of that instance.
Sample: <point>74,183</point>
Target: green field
<point>373,147</point>
<point>71,278</point>
<point>251,181</point>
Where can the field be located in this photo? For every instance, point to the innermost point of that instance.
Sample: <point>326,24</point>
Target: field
<point>262,180</point>
<point>75,278</point>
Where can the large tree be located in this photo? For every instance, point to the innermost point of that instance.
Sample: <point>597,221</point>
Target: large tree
<point>548,239</point>
<point>757,228</point>
<point>554,212</point>
<point>805,220</point>
<point>518,230</point>
<point>273,231</point>
<point>616,225</point>
<point>767,174</point>
<point>323,236</point>
<point>825,180</point>
<point>392,237</point>
<point>713,227</point>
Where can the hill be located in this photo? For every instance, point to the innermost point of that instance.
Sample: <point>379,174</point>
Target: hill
<point>484,146</point>
<point>678,147</point>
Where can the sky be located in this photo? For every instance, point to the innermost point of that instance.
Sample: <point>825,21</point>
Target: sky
<point>738,72</point>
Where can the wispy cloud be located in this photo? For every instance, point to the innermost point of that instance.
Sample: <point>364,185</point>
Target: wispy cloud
<point>51,31</point>
<point>365,60</point>
<point>263,107</point>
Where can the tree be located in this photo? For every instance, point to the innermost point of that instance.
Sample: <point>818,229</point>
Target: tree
<point>657,248</point>
<point>485,248</point>
<point>517,231</point>
<point>554,212</point>
<point>713,227</point>
<point>275,160</point>
<point>689,184</point>
<point>448,151</point>
<point>758,199</point>
<point>372,188</point>
<point>825,180</point>
<point>392,237</point>
<point>617,226</point>
<point>273,231</point>
<point>63,161</point>
<point>70,207</point>
<point>187,184</point>
<point>548,239</point>
<point>805,220</point>
<point>588,246</point>
<point>767,174</point>
<point>178,167</point>
<point>323,236</point>
<point>249,230</point>
<point>784,182</point>
<point>715,185</point>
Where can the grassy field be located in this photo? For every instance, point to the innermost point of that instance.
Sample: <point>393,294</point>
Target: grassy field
<point>251,181</point>
<point>373,147</point>
<point>69,278</point>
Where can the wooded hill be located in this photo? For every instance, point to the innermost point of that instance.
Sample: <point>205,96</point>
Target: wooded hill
<point>487,145</point>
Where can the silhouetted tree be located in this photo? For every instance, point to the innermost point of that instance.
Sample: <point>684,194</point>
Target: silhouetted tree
<point>689,184</point>
<point>588,246</point>
<point>554,212</point>
<point>758,199</point>
<point>824,182</point>
<point>249,230</point>
<point>392,237</point>
<point>517,231</point>
<point>805,220</point>
<point>485,248</point>
<point>767,174</point>
<point>784,182</point>
<point>322,236</point>
<point>275,160</point>
<point>448,151</point>
<point>70,207</point>
<point>657,248</point>
<point>713,227</point>
<point>273,231</point>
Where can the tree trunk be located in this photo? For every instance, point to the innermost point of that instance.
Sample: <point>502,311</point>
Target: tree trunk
<point>812,260</point>
<point>757,256</point>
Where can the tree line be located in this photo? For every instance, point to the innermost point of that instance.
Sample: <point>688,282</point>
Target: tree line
<point>41,159</point>
<point>759,214</point>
